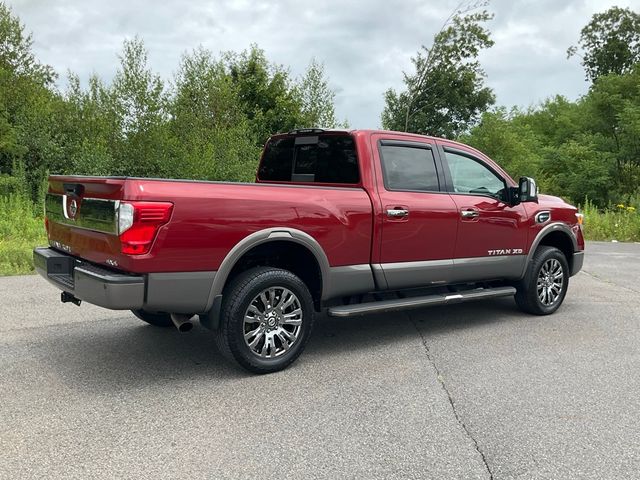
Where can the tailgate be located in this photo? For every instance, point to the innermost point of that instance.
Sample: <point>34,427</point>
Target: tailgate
<point>81,216</point>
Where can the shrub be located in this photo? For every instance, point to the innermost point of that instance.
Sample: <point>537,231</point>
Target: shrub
<point>21,229</point>
<point>617,222</point>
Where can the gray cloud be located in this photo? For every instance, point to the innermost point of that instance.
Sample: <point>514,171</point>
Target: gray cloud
<point>365,45</point>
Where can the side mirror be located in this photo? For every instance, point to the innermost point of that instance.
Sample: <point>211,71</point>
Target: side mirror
<point>527,190</point>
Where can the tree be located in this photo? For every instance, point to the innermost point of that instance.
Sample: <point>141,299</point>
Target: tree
<point>612,108</point>
<point>268,95</point>
<point>119,128</point>
<point>446,94</point>
<point>212,136</point>
<point>317,97</point>
<point>136,102</point>
<point>609,43</point>
<point>16,53</point>
<point>87,128</point>
<point>26,104</point>
<point>513,144</point>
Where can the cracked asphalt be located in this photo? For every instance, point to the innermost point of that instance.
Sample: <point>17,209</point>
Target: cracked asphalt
<point>467,391</point>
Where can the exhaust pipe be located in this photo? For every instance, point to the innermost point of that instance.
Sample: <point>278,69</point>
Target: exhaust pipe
<point>182,322</point>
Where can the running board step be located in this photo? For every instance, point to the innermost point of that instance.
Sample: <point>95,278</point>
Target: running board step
<point>415,302</point>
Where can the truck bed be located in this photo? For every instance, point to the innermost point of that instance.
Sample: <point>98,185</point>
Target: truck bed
<point>208,220</point>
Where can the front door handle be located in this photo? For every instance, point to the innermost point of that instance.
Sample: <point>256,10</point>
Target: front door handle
<point>397,213</point>
<point>469,213</point>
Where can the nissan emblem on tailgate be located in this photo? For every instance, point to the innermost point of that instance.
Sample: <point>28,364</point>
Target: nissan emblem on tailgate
<point>69,208</point>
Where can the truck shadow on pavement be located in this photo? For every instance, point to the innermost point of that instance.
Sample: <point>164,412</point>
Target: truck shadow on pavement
<point>119,353</point>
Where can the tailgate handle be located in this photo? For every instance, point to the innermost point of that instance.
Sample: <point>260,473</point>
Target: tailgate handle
<point>73,189</point>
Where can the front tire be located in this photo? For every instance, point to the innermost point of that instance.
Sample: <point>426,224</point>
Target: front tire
<point>544,287</point>
<point>266,318</point>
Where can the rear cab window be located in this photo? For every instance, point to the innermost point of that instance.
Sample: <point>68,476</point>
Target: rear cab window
<point>324,159</point>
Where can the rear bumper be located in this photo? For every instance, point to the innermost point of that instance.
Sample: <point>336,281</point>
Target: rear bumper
<point>174,292</point>
<point>576,264</point>
<point>89,282</point>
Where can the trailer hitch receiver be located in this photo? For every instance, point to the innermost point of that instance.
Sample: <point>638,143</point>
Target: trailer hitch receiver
<point>66,297</point>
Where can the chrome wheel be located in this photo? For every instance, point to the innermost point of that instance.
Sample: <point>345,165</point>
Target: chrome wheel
<point>272,323</point>
<point>550,282</point>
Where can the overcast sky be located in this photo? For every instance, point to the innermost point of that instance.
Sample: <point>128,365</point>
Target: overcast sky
<point>365,45</point>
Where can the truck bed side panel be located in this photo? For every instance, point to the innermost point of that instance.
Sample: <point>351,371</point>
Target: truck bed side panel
<point>209,219</point>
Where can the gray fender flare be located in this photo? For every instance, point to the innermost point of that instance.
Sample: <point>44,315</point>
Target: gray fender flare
<point>265,236</point>
<point>552,227</point>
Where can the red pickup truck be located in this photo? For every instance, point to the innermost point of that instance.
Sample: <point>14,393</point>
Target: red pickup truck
<point>347,222</point>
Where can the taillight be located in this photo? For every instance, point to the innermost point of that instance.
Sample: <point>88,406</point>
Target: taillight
<point>138,224</point>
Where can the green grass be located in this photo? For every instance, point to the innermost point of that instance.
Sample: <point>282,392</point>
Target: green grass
<point>20,230</point>
<point>618,222</point>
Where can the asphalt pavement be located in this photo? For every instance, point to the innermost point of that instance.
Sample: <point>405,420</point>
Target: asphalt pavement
<point>466,391</point>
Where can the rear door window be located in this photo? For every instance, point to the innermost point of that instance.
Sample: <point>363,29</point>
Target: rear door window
<point>409,168</point>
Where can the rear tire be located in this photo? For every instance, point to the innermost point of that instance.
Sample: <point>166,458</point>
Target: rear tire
<point>156,319</point>
<point>545,284</point>
<point>266,318</point>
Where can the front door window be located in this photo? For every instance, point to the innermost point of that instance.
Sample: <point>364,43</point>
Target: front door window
<point>473,178</point>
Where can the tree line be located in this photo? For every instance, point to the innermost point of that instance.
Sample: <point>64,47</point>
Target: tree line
<point>209,122</point>
<point>212,118</point>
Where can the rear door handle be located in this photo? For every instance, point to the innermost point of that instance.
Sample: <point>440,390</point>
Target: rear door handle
<point>397,213</point>
<point>469,213</point>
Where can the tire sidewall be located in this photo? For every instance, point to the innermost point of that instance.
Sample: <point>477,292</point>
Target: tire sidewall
<point>244,296</point>
<point>551,253</point>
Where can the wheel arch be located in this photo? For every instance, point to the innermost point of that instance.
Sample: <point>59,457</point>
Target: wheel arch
<point>277,238</point>
<point>557,235</point>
